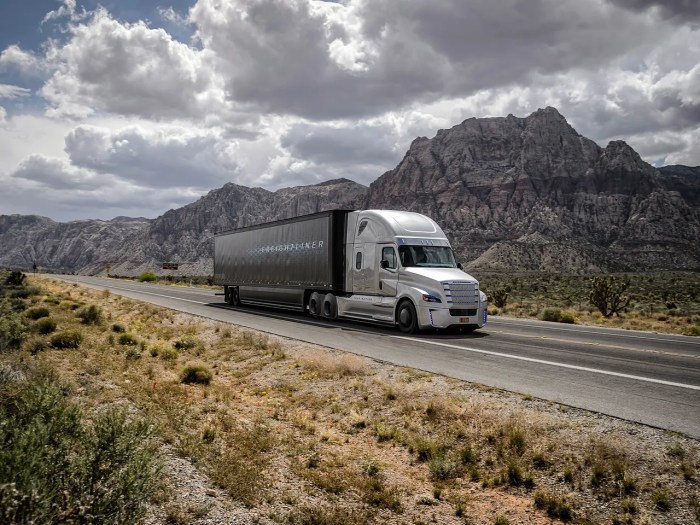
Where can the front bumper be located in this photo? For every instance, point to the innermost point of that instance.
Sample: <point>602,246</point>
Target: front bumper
<point>435,317</point>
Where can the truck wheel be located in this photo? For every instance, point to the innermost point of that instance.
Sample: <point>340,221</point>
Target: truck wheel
<point>235,297</point>
<point>315,305</point>
<point>407,318</point>
<point>330,306</point>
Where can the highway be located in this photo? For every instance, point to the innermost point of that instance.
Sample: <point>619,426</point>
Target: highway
<point>644,377</point>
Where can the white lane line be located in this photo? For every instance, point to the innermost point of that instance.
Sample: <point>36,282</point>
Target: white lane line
<point>666,338</point>
<point>551,363</point>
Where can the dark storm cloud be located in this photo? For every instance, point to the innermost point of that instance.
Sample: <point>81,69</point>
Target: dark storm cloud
<point>679,11</point>
<point>276,54</point>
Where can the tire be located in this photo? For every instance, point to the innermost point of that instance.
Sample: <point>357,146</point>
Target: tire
<point>330,306</point>
<point>235,297</point>
<point>407,318</point>
<point>314,304</point>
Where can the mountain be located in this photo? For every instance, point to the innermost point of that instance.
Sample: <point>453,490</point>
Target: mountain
<point>532,194</point>
<point>511,193</point>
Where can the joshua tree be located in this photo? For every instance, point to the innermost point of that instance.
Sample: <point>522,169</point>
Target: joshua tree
<point>608,294</point>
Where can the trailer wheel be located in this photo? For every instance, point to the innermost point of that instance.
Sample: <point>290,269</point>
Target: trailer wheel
<point>314,304</point>
<point>235,297</point>
<point>330,306</point>
<point>407,318</point>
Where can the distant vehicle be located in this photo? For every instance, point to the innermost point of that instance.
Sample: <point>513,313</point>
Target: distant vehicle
<point>391,267</point>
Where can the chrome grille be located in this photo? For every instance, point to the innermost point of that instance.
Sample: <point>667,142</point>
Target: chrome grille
<point>461,292</point>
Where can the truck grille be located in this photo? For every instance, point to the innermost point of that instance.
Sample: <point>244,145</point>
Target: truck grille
<point>461,292</point>
<point>462,312</point>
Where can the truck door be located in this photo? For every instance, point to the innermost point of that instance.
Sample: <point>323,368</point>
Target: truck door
<point>388,270</point>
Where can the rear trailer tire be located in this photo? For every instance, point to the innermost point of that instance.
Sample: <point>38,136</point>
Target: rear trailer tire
<point>330,306</point>
<point>407,318</point>
<point>235,296</point>
<point>314,304</point>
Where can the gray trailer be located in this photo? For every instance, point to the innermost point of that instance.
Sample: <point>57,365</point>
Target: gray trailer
<point>381,266</point>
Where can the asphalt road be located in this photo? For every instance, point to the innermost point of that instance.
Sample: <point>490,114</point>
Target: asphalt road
<point>638,376</point>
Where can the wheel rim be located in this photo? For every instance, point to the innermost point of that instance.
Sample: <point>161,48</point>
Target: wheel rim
<point>405,317</point>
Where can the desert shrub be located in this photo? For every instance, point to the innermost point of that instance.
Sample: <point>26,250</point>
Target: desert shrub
<point>442,468</point>
<point>567,317</point>
<point>661,499</point>
<point>54,469</point>
<point>199,374</point>
<point>34,345</point>
<point>168,354</point>
<point>555,507</point>
<point>12,330</point>
<point>500,297</point>
<point>127,339</point>
<point>118,328</point>
<point>15,278</point>
<point>551,314</point>
<point>45,325</point>
<point>66,339</point>
<point>90,314</point>
<point>148,277</point>
<point>186,342</point>
<point>37,312</point>
<point>52,300</point>
<point>18,305</point>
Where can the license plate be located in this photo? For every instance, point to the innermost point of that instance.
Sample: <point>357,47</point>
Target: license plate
<point>464,319</point>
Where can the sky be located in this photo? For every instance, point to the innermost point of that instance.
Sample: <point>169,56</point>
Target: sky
<point>130,108</point>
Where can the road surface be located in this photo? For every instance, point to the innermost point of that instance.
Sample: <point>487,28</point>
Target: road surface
<point>638,376</point>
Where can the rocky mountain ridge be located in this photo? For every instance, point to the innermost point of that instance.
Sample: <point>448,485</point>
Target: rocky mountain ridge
<point>511,193</point>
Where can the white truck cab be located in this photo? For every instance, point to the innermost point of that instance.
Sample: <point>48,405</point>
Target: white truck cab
<point>401,270</point>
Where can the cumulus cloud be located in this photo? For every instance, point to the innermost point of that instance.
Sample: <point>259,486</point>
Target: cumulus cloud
<point>26,62</point>
<point>54,174</point>
<point>128,69</point>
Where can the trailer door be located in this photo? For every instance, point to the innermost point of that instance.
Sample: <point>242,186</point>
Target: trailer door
<point>388,270</point>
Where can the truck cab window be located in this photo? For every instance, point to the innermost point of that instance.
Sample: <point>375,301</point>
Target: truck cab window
<point>358,261</point>
<point>427,256</point>
<point>389,255</point>
<point>362,227</point>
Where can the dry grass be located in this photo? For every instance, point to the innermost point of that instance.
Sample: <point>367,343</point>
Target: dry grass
<point>298,434</point>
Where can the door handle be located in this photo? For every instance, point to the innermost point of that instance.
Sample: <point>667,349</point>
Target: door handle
<point>380,285</point>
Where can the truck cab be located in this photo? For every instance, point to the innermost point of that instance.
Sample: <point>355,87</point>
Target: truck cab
<point>401,270</point>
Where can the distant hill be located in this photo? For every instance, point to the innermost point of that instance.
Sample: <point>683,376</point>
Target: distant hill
<point>511,193</point>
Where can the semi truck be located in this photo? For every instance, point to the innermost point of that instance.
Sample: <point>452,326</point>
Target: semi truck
<point>391,267</point>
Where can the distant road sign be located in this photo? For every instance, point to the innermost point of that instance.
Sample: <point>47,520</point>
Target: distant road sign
<point>169,266</point>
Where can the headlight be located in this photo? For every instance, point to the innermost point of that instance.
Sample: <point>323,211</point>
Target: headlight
<point>429,298</point>
<point>482,297</point>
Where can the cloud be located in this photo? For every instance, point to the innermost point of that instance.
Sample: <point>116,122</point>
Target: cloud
<point>9,91</point>
<point>679,11</point>
<point>166,157</point>
<point>128,69</point>
<point>24,61</point>
<point>54,174</point>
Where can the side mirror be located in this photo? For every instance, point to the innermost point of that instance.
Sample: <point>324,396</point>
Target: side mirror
<point>384,264</point>
<point>459,265</point>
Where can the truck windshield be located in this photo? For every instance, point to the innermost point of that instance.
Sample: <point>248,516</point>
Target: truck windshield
<point>427,256</point>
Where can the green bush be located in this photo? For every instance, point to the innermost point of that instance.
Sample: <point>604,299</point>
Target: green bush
<point>551,314</point>
<point>567,317</point>
<point>128,339</point>
<point>90,314</point>
<point>45,325</point>
<point>118,328</point>
<point>56,470</point>
<point>66,339</point>
<point>199,374</point>
<point>500,297</point>
<point>168,354</point>
<point>12,330</point>
<point>37,312</point>
<point>148,277</point>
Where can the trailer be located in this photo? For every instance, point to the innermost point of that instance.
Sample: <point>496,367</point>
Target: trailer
<point>382,266</point>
